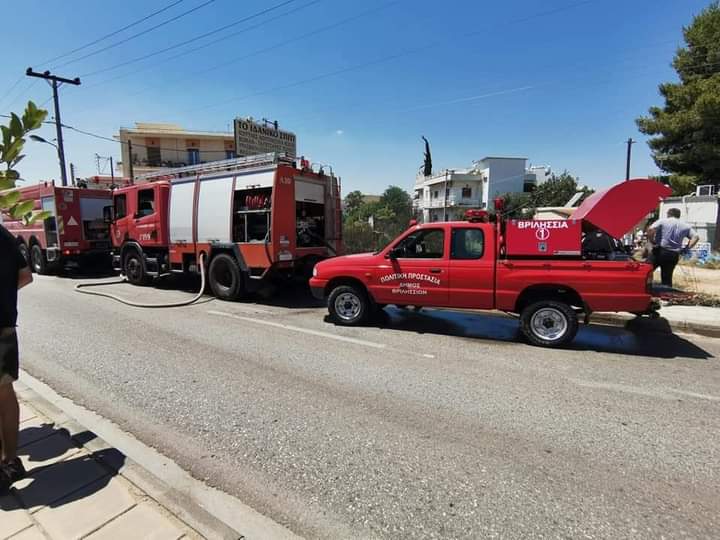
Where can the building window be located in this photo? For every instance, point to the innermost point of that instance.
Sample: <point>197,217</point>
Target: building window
<point>435,194</point>
<point>146,202</point>
<point>466,192</point>
<point>230,154</point>
<point>193,156</point>
<point>153,156</point>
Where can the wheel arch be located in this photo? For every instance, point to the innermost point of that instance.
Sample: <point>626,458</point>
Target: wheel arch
<point>347,280</point>
<point>548,291</point>
<point>230,249</point>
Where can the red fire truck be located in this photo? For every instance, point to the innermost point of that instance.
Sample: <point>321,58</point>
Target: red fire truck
<point>74,232</point>
<point>547,271</point>
<point>249,218</point>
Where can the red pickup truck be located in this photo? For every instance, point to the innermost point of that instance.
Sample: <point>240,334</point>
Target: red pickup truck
<point>548,271</point>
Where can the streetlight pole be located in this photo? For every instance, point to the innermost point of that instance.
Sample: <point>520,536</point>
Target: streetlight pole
<point>54,80</point>
<point>630,142</point>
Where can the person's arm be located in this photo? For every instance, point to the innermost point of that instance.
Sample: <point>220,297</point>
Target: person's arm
<point>24,273</point>
<point>652,231</point>
<point>694,239</point>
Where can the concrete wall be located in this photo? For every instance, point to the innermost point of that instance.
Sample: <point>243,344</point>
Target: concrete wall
<point>700,212</point>
<point>506,176</point>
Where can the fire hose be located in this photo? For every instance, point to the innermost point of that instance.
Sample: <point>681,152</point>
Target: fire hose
<point>80,286</point>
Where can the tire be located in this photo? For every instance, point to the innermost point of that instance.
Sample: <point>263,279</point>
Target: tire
<point>549,323</point>
<point>134,268</point>
<point>22,248</point>
<point>38,262</point>
<point>349,305</point>
<point>226,278</point>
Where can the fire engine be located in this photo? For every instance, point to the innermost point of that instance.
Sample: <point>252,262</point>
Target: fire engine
<point>75,230</point>
<point>248,219</point>
<point>546,271</point>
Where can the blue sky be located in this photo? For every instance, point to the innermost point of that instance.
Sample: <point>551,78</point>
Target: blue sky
<point>557,81</point>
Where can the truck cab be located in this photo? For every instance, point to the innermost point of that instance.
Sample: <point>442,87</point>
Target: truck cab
<point>541,270</point>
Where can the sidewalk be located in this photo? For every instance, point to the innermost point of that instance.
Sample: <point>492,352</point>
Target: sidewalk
<point>75,487</point>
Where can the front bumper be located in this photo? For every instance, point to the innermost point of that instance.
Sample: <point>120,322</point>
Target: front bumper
<point>317,288</point>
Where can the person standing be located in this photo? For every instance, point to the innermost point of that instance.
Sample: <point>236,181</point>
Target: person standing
<point>667,236</point>
<point>14,274</point>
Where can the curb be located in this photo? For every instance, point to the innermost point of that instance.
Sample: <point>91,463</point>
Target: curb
<point>212,513</point>
<point>659,325</point>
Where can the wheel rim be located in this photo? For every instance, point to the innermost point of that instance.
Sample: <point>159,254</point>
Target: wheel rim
<point>134,268</point>
<point>348,306</point>
<point>549,324</point>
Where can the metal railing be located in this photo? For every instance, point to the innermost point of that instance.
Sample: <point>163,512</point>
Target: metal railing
<point>241,163</point>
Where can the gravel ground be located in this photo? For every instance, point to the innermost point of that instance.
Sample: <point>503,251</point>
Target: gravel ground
<point>435,424</point>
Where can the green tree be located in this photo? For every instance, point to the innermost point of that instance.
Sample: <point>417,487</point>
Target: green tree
<point>13,141</point>
<point>353,202</point>
<point>686,131</point>
<point>557,190</point>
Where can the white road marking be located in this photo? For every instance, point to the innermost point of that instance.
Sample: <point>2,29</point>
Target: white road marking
<point>695,395</point>
<point>301,330</point>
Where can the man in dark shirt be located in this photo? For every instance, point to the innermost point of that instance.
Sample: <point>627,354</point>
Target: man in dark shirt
<point>14,274</point>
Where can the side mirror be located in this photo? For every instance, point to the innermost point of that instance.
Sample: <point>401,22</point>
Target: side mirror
<point>393,253</point>
<point>108,214</point>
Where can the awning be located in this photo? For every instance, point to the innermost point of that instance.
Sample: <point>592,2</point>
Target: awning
<point>617,209</point>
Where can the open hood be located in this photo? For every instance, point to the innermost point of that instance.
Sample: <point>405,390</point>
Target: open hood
<point>617,209</point>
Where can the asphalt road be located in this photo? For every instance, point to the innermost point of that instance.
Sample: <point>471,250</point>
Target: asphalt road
<point>428,425</point>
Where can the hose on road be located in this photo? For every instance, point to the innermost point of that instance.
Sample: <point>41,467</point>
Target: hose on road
<point>80,286</point>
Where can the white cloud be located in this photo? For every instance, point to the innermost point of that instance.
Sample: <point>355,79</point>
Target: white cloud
<point>339,132</point>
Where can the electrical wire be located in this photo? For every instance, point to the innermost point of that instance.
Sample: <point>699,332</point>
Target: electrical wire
<point>225,64</point>
<point>129,38</point>
<point>111,34</point>
<point>80,286</point>
<point>206,34</point>
<point>14,85</point>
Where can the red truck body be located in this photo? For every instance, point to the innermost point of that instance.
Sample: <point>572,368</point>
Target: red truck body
<point>75,230</point>
<point>249,218</point>
<point>539,269</point>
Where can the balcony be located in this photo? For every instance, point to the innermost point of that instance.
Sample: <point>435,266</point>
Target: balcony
<point>452,201</point>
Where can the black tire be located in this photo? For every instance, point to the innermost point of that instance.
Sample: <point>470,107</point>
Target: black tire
<point>134,268</point>
<point>349,305</point>
<point>38,262</point>
<point>226,278</point>
<point>549,323</point>
<point>23,249</point>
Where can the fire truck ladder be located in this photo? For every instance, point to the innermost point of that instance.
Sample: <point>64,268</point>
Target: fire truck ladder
<point>236,164</point>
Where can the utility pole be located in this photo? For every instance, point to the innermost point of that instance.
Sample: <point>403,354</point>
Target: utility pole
<point>131,170</point>
<point>112,172</point>
<point>72,174</point>
<point>630,142</point>
<point>58,123</point>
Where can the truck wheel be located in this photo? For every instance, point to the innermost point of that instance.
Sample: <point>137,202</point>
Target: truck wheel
<point>226,278</point>
<point>134,269</point>
<point>549,323</point>
<point>38,262</point>
<point>23,249</point>
<point>348,305</point>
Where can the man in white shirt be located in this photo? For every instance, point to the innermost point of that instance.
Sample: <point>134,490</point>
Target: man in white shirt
<point>667,235</point>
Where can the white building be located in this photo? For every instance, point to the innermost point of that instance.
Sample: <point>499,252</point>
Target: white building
<point>447,195</point>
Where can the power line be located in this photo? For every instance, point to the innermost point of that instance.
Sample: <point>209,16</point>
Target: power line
<point>206,34</point>
<point>111,34</point>
<point>226,63</point>
<point>390,57</point>
<point>9,91</point>
<point>148,30</point>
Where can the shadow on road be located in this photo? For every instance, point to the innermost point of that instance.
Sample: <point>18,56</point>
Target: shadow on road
<point>607,339</point>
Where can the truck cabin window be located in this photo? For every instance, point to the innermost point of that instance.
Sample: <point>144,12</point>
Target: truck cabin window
<point>424,244</point>
<point>120,206</point>
<point>146,202</point>
<point>467,244</point>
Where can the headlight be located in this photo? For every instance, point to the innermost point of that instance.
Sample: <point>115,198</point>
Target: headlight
<point>315,271</point>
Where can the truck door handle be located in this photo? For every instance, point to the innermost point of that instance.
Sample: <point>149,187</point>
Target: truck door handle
<point>435,270</point>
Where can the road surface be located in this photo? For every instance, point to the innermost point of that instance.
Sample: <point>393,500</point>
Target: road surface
<point>426,425</point>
